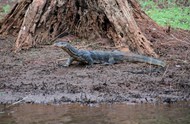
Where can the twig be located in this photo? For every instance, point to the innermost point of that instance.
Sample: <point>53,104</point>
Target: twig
<point>17,102</point>
<point>57,36</point>
<point>88,45</point>
<point>107,47</point>
<point>63,59</point>
<point>165,72</point>
<point>180,40</point>
<point>116,47</point>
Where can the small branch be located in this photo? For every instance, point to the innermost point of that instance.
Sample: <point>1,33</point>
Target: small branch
<point>58,36</point>
<point>107,47</point>
<point>165,72</point>
<point>79,47</point>
<point>17,102</point>
<point>180,40</point>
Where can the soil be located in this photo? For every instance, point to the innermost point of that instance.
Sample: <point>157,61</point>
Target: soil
<point>35,75</point>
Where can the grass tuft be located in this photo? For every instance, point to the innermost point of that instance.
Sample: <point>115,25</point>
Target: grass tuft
<point>6,8</point>
<point>168,14</point>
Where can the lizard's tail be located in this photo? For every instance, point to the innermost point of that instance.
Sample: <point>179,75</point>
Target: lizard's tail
<point>144,59</point>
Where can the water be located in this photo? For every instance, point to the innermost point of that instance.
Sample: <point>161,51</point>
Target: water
<point>98,114</point>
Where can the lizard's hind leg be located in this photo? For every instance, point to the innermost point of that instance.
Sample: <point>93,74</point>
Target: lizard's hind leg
<point>110,61</point>
<point>88,59</point>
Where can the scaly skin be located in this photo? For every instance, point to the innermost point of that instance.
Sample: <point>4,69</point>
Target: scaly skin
<point>104,57</point>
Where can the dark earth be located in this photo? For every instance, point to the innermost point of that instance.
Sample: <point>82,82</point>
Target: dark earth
<point>35,75</point>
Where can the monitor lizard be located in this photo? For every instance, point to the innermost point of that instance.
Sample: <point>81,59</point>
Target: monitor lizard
<point>91,57</point>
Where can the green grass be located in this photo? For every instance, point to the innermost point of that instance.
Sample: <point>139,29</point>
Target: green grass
<point>6,8</point>
<point>170,14</point>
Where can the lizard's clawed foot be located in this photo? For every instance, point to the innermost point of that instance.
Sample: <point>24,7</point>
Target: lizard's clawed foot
<point>106,64</point>
<point>61,65</point>
<point>88,66</point>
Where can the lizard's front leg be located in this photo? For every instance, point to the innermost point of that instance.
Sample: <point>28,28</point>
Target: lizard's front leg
<point>68,62</point>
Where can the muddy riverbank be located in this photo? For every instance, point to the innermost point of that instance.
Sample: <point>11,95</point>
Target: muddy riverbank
<point>35,76</point>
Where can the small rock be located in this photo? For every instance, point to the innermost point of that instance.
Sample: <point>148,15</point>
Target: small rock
<point>178,66</point>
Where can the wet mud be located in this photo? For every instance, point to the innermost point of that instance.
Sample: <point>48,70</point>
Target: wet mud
<point>35,76</point>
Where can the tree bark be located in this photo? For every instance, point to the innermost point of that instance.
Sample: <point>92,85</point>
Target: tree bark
<point>39,21</point>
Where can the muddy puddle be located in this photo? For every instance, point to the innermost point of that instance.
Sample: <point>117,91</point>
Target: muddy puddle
<point>96,114</point>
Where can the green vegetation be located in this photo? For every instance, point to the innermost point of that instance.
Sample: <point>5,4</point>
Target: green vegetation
<point>175,13</point>
<point>167,12</point>
<point>6,8</point>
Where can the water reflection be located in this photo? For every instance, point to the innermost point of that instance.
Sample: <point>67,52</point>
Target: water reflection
<point>101,114</point>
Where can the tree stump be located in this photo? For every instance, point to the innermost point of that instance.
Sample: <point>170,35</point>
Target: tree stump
<point>39,21</point>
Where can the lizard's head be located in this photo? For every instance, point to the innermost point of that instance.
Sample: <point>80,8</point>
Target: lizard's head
<point>61,44</point>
